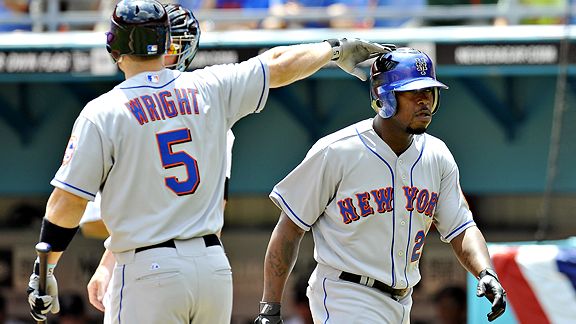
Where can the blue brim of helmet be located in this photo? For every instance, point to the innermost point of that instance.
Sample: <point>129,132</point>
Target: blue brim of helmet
<point>421,83</point>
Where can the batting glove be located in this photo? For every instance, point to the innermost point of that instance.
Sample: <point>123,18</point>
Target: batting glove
<point>269,314</point>
<point>40,305</point>
<point>348,54</point>
<point>489,286</point>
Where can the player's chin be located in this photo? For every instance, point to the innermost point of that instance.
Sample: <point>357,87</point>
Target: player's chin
<point>417,129</point>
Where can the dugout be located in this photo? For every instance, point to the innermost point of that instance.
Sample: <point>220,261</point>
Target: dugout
<point>497,119</point>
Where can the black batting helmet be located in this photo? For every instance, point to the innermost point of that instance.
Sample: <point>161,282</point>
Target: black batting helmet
<point>185,32</point>
<point>138,27</point>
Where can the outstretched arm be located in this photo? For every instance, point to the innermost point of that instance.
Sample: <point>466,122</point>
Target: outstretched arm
<point>288,64</point>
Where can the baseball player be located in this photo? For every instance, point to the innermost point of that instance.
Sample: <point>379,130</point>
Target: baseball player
<point>370,193</point>
<point>185,33</point>
<point>155,146</point>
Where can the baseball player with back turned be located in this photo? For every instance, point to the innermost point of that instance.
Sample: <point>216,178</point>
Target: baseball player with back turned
<point>185,33</point>
<point>370,193</point>
<point>154,147</point>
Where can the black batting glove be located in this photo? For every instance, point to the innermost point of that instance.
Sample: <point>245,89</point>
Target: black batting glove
<point>489,286</point>
<point>269,314</point>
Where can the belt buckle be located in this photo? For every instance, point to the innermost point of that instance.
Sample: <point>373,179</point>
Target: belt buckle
<point>400,293</point>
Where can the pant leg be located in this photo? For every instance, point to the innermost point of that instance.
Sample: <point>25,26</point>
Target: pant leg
<point>191,283</point>
<point>214,303</point>
<point>154,288</point>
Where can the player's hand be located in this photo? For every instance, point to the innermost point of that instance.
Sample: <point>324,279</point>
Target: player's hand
<point>489,286</point>
<point>269,314</point>
<point>355,51</point>
<point>98,286</point>
<point>40,305</point>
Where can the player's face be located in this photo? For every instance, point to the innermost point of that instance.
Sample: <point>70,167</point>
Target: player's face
<point>170,59</point>
<point>414,110</point>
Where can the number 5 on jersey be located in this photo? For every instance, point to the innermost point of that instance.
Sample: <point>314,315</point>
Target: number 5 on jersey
<point>171,159</point>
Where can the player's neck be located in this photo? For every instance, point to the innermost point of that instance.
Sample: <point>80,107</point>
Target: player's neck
<point>131,67</point>
<point>398,140</point>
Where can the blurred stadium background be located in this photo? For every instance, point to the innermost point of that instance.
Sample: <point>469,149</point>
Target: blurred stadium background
<point>507,118</point>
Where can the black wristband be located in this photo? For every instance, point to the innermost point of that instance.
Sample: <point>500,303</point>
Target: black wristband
<point>58,237</point>
<point>269,308</point>
<point>226,188</point>
<point>488,272</point>
<point>336,48</point>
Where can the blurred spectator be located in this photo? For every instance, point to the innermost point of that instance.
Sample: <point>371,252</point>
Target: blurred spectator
<point>4,318</point>
<point>245,5</point>
<point>280,9</point>
<point>23,215</point>
<point>460,21</point>
<point>105,8</point>
<point>337,9</point>
<point>450,305</point>
<point>77,5</point>
<point>195,4</point>
<point>509,6</point>
<point>407,5</point>
<point>300,303</point>
<point>13,8</point>
<point>72,310</point>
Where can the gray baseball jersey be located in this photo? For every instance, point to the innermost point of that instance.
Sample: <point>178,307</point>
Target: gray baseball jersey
<point>93,214</point>
<point>178,121</point>
<point>369,209</point>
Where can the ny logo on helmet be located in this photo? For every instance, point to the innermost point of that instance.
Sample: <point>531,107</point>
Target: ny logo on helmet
<point>421,65</point>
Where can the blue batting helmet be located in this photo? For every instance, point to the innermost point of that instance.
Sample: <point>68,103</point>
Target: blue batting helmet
<point>185,32</point>
<point>403,69</point>
<point>138,27</point>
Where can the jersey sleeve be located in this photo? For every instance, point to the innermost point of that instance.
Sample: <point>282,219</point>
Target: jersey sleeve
<point>84,167</point>
<point>92,212</point>
<point>452,214</point>
<point>306,191</point>
<point>241,88</point>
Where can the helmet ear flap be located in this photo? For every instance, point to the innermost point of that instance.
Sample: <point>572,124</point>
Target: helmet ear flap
<point>436,102</point>
<point>384,103</point>
<point>388,108</point>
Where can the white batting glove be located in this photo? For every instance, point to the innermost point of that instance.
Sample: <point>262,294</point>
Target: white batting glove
<point>40,305</point>
<point>349,53</point>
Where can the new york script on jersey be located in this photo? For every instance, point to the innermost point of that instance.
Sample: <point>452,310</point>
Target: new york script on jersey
<point>422,200</point>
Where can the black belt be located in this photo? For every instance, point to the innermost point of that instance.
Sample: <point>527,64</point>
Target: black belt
<point>369,282</point>
<point>209,240</point>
